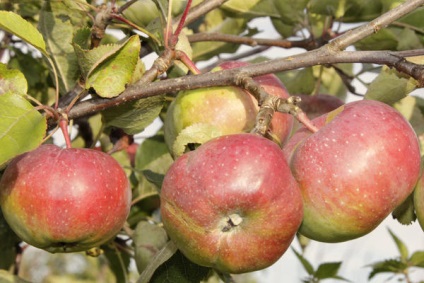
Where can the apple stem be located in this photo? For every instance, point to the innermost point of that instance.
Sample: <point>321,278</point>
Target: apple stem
<point>183,57</point>
<point>63,123</point>
<point>225,277</point>
<point>290,106</point>
<point>181,23</point>
<point>303,118</point>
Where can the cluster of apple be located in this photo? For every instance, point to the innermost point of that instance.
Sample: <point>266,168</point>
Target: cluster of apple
<point>236,202</point>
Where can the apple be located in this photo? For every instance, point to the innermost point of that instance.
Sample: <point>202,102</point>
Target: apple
<point>232,204</point>
<point>196,116</point>
<point>419,201</point>
<point>361,164</point>
<point>65,200</point>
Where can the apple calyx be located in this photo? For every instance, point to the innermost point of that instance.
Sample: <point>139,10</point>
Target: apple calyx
<point>231,222</point>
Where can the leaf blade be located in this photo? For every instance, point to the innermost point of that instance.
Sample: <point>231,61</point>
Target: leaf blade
<point>15,24</point>
<point>18,120</point>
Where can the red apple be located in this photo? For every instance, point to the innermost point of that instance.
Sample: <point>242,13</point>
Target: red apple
<point>232,204</point>
<point>361,164</point>
<point>65,200</point>
<point>198,115</point>
<point>419,201</point>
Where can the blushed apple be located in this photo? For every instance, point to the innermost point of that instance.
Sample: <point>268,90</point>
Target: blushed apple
<point>361,164</point>
<point>232,204</point>
<point>65,200</point>
<point>198,115</point>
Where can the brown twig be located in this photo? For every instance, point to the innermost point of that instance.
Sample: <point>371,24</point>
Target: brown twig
<point>328,54</point>
<point>226,77</point>
<point>307,44</point>
<point>201,9</point>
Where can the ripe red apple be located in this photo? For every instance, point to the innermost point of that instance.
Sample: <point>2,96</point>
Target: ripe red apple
<point>360,165</point>
<point>201,114</point>
<point>65,200</point>
<point>232,204</point>
<point>419,201</point>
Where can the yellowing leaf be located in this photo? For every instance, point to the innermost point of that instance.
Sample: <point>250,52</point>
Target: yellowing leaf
<point>109,71</point>
<point>58,23</point>
<point>16,25</point>
<point>12,80</point>
<point>241,6</point>
<point>389,86</point>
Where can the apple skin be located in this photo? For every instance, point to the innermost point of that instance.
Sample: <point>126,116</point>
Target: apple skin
<point>65,200</point>
<point>228,110</point>
<point>242,177</point>
<point>419,201</point>
<point>362,163</point>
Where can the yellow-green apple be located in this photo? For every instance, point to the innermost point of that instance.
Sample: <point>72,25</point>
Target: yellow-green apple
<point>419,201</point>
<point>196,116</point>
<point>361,164</point>
<point>65,200</point>
<point>232,204</point>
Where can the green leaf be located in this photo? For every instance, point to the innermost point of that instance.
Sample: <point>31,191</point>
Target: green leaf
<point>417,259</point>
<point>152,161</point>
<point>142,12</point>
<point>403,250</point>
<point>82,38</point>
<point>119,261</point>
<point>251,8</point>
<point>240,6</point>
<point>285,30</point>
<point>330,81</point>
<point>8,242</point>
<point>306,264</point>
<point>405,213</point>
<point>384,39</point>
<point>298,81</point>
<point>389,87</point>
<point>109,76</point>
<point>178,269</point>
<point>16,25</point>
<point>217,22</point>
<point>134,117</point>
<point>12,80</point>
<point>410,40</point>
<point>36,74</point>
<point>6,277</point>
<point>327,270</point>
<point>148,239</point>
<point>414,18</point>
<point>57,23</point>
<point>194,135</point>
<point>291,12</point>
<point>22,127</point>
<point>388,266</point>
<point>365,10</point>
<point>160,257</point>
<point>154,178</point>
